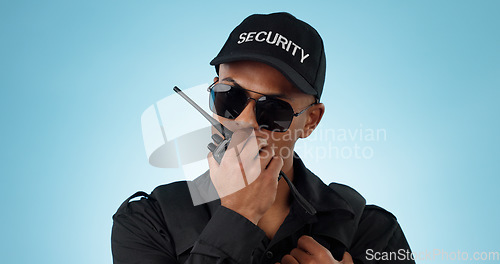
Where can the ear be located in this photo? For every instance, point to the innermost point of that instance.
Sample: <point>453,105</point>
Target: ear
<point>314,115</point>
<point>216,79</point>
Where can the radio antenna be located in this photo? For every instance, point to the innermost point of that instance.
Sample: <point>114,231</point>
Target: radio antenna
<point>222,129</point>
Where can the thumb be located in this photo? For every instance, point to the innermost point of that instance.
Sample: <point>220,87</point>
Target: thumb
<point>212,163</point>
<point>347,258</point>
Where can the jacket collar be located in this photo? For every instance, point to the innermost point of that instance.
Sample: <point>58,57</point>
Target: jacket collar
<point>315,191</point>
<point>334,218</point>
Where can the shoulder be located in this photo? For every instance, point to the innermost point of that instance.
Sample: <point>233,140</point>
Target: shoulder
<point>140,223</point>
<point>374,222</point>
<point>378,229</point>
<point>140,200</point>
<point>369,212</point>
<point>173,192</point>
<point>376,216</point>
<point>166,218</point>
<point>169,205</point>
<point>348,193</point>
<point>378,212</point>
<point>352,197</point>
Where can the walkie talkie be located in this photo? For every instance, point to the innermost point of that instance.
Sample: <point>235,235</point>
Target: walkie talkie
<point>222,144</point>
<point>219,150</point>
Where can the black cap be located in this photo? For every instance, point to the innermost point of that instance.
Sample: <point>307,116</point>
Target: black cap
<point>282,41</point>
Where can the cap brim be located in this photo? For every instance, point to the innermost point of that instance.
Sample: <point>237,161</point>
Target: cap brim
<point>293,76</point>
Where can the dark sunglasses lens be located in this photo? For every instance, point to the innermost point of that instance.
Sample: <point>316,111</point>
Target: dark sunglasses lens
<point>227,101</point>
<point>273,114</point>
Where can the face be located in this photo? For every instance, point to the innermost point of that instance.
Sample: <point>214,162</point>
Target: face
<point>263,79</point>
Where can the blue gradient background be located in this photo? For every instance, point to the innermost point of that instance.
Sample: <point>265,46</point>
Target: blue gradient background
<point>77,75</point>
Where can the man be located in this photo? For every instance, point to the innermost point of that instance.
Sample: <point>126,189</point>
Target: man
<point>271,72</point>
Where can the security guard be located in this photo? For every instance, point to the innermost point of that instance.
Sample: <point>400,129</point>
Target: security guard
<point>271,72</point>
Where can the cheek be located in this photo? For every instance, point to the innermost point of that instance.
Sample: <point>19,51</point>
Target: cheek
<point>283,143</point>
<point>282,139</point>
<point>296,129</point>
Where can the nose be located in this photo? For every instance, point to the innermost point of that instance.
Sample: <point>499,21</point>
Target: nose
<point>247,118</point>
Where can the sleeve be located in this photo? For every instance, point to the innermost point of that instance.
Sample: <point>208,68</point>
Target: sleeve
<point>139,235</point>
<point>380,239</point>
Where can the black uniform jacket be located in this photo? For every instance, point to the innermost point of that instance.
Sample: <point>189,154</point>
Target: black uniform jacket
<point>165,227</point>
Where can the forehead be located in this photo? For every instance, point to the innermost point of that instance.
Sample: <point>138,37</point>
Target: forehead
<point>259,77</point>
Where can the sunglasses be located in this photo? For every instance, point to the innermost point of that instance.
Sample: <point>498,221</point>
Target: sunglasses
<point>271,113</point>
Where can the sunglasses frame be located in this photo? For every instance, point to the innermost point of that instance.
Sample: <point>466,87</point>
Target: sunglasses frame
<point>210,88</point>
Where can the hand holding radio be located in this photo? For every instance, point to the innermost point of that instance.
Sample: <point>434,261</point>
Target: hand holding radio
<point>253,210</point>
<point>245,179</point>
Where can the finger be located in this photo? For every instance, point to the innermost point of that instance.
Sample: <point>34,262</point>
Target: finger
<point>250,159</point>
<point>265,154</point>
<point>254,170</point>
<point>262,143</point>
<point>250,149</point>
<point>247,144</point>
<point>347,259</point>
<point>275,165</point>
<point>301,256</point>
<point>289,259</point>
<point>212,163</point>
<point>232,176</point>
<point>270,173</point>
<point>241,149</point>
<point>240,137</point>
<point>211,147</point>
<point>217,138</point>
<point>310,245</point>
